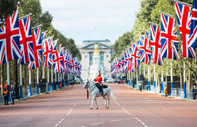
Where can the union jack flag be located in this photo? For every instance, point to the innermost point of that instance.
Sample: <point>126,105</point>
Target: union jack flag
<point>26,41</point>
<point>135,55</point>
<point>56,62</point>
<point>61,54</point>
<point>9,39</point>
<point>184,21</point>
<point>145,52</point>
<point>193,31</point>
<point>37,46</point>
<point>131,63</point>
<point>169,40</point>
<point>48,62</point>
<point>155,44</point>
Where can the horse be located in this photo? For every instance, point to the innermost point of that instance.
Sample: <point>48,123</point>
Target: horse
<point>96,93</point>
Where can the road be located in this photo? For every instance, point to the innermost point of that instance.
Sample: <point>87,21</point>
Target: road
<point>69,107</point>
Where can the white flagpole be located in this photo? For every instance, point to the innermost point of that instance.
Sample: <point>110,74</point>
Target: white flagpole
<point>149,78</point>
<point>38,91</point>
<point>137,78</point>
<point>56,80</point>
<point>144,72</point>
<point>154,79</point>
<point>162,88</point>
<point>43,73</point>
<point>21,83</point>
<point>184,79</point>
<point>51,78</point>
<point>30,93</point>
<point>47,85</point>
<point>8,80</point>
<point>171,80</point>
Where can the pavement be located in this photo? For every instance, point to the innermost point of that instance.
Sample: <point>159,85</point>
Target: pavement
<point>70,107</point>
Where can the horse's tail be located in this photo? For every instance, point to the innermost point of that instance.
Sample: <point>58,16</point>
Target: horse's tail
<point>112,95</point>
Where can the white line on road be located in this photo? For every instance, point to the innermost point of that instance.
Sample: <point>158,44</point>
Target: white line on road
<point>125,111</point>
<point>141,122</point>
<point>59,122</point>
<point>69,112</point>
<point>97,123</point>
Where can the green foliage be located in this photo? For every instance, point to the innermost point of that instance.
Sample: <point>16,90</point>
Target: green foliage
<point>7,7</point>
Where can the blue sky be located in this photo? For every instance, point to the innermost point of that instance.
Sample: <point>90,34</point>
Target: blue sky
<point>92,19</point>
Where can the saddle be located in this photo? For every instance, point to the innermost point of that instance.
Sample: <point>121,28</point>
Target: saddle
<point>105,86</point>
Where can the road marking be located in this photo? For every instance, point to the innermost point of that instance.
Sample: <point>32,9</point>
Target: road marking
<point>69,112</point>
<point>141,122</point>
<point>115,120</point>
<point>117,103</point>
<point>97,123</point>
<point>125,111</point>
<point>59,122</point>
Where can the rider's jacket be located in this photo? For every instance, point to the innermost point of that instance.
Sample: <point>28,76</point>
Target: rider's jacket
<point>98,80</point>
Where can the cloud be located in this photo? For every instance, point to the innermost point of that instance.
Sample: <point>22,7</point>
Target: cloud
<point>77,18</point>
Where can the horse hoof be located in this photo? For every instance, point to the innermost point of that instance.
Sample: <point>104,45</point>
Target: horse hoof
<point>91,108</point>
<point>96,108</point>
<point>105,106</point>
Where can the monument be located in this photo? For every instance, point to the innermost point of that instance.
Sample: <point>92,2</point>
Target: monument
<point>96,66</point>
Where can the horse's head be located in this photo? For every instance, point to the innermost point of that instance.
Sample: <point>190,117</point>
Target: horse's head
<point>85,86</point>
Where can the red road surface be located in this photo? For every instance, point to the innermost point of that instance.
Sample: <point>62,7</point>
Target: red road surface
<point>70,108</point>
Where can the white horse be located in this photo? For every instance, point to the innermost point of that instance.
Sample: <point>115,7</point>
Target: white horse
<point>96,93</point>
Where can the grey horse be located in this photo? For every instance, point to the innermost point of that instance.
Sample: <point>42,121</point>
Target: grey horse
<point>95,93</point>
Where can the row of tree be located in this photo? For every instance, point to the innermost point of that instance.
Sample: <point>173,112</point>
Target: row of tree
<point>38,17</point>
<point>150,12</point>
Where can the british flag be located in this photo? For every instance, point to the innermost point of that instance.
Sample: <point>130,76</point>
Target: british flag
<point>69,63</point>
<point>155,43</point>
<point>75,65</point>
<point>61,55</point>
<point>37,47</point>
<point>131,63</point>
<point>184,22</point>
<point>26,41</point>
<point>135,55</point>
<point>145,52</point>
<point>48,62</point>
<point>9,39</point>
<point>169,40</point>
<point>56,62</point>
<point>193,31</point>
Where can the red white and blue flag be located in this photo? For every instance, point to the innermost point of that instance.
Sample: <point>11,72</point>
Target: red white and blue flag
<point>145,52</point>
<point>9,39</point>
<point>193,31</point>
<point>37,47</point>
<point>155,44</point>
<point>26,41</point>
<point>184,22</point>
<point>48,62</point>
<point>135,54</point>
<point>169,40</point>
<point>56,62</point>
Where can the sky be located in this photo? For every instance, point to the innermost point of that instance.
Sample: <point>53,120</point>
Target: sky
<point>92,19</point>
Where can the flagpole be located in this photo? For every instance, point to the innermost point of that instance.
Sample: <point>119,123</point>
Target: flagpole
<point>21,82</point>
<point>43,72</point>
<point>137,79</point>
<point>162,80</point>
<point>52,79</point>
<point>30,93</point>
<point>154,79</point>
<point>171,80</point>
<point>182,3</point>
<point>56,81</point>
<point>68,79</point>
<point>144,72</point>
<point>62,79</point>
<point>149,78</point>
<point>47,80</point>
<point>131,80</point>
<point>38,91</point>
<point>8,80</point>
<point>184,79</point>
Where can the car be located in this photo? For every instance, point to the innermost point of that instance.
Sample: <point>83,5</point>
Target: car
<point>77,81</point>
<point>110,80</point>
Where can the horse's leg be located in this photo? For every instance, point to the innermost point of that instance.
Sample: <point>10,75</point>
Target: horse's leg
<point>105,103</point>
<point>93,97</point>
<point>108,97</point>
<point>96,103</point>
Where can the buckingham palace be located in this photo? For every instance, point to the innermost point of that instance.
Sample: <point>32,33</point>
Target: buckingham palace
<point>87,49</point>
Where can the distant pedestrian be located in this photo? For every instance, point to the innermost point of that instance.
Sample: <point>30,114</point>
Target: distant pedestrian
<point>194,91</point>
<point>5,94</point>
<point>12,93</point>
<point>166,90</point>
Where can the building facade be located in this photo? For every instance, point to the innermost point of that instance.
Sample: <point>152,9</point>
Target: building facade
<point>87,50</point>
